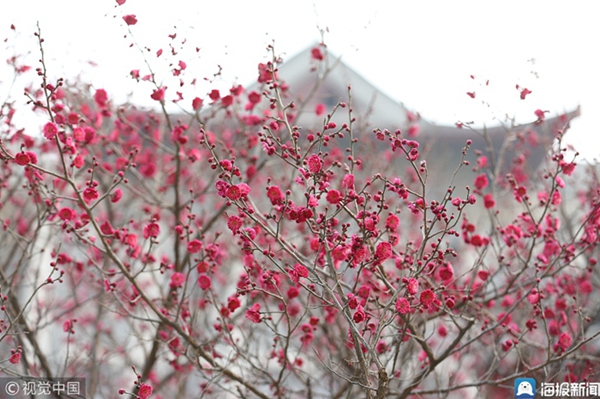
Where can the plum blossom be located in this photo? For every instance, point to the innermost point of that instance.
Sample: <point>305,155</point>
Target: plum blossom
<point>15,358</point>
<point>130,19</point>
<point>22,159</point>
<point>194,246</point>
<point>177,280</point>
<point>50,130</point>
<point>204,282</point>
<point>90,194</point>
<point>383,251</point>
<point>402,305</point>
<point>412,286</point>
<point>427,297</point>
<point>253,314</point>
<point>145,391</point>
<point>314,163</point>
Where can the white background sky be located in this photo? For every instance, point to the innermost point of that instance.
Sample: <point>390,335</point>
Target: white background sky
<point>419,53</point>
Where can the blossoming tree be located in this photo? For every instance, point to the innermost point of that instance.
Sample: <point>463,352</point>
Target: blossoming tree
<point>224,251</point>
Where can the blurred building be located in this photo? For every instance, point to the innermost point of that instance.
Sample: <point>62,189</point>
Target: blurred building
<point>311,81</point>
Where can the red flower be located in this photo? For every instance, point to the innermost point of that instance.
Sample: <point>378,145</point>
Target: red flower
<point>131,240</point>
<point>79,134</point>
<point>151,230</point>
<point>402,306</point>
<point>264,74</point>
<point>564,342</point>
<point>364,291</point>
<point>383,251</point>
<point>483,274</point>
<point>22,159</point>
<point>120,2</point>
<point>101,98</point>
<point>320,109</point>
<point>482,161</point>
<point>477,240</point>
<point>392,222</point>
<point>66,214</point>
<point>233,303</point>
<point>204,282</point>
<point>233,192</point>
<point>275,195</point>
<point>488,201</point>
<point>352,301</point>
<point>237,90</point>
<point>413,131</point>
<point>427,297</point>
<point>116,196</point>
<point>568,169</point>
<point>519,192</point>
<point>254,97</point>
<point>348,182</point>
<point>177,280</point>
<point>541,115</point>
<point>107,228</point>
<point>534,297</point>
<point>244,189</point>
<point>15,358</point>
<point>196,103</point>
<point>412,286</point>
<point>68,326</point>
<point>130,19</point>
<point>531,324</point>
<point>253,314</point>
<point>413,155</point>
<point>524,93</point>
<point>471,94</point>
<point>360,254</point>
<point>194,246</point>
<point>222,187</point>
<point>506,345</point>
<point>442,331</point>
<point>293,275</point>
<point>227,100</point>
<point>32,157</point>
<point>334,197</point>
<point>446,272</point>
<point>158,94</point>
<point>90,194</point>
<point>214,95</point>
<point>202,267</point>
<point>50,130</point>
<point>293,292</point>
<point>145,391</point>
<point>302,271</point>
<point>359,315</point>
<point>234,223</point>
<point>316,54</point>
<point>481,181</point>
<point>314,163</point>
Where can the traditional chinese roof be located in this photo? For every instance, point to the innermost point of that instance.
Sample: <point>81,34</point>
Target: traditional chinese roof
<point>311,82</point>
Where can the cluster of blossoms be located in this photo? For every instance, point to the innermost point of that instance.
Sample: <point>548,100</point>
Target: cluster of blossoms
<point>213,237</point>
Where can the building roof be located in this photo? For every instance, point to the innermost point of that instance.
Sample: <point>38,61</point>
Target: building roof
<point>311,82</point>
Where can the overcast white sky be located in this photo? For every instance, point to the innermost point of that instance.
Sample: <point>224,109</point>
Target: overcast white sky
<point>419,53</point>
